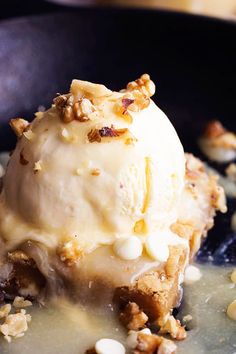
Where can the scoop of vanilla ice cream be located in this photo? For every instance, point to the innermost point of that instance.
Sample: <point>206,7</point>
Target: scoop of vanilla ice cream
<point>76,179</point>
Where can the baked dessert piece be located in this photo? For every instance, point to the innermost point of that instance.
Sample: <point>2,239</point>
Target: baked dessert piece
<point>97,196</point>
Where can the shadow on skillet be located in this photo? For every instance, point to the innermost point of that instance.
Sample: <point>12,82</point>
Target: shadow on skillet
<point>191,58</point>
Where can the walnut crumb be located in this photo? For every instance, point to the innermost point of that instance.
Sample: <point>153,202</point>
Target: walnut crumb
<point>96,135</point>
<point>144,84</point>
<point>20,302</point>
<point>15,325</point>
<point>153,344</point>
<point>19,125</point>
<point>132,317</point>
<point>70,252</point>
<point>174,328</point>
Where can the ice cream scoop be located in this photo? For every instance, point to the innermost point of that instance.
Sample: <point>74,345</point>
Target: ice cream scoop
<point>97,166</point>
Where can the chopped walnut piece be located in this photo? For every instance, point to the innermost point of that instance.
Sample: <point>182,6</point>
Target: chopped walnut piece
<point>70,252</point>
<point>132,317</point>
<point>20,302</point>
<point>167,347</point>
<point>153,344</point>
<point>18,256</point>
<point>15,324</point>
<point>147,344</point>
<point>5,310</point>
<point>67,114</point>
<point>108,132</point>
<point>19,125</point>
<point>174,328</point>
<point>94,136</point>
<point>144,84</point>
<point>60,101</point>
<point>23,160</point>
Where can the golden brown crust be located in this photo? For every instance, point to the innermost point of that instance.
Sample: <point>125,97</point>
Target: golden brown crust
<point>156,292</point>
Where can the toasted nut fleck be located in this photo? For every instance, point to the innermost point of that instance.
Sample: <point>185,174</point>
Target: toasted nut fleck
<point>67,114</point>
<point>95,172</point>
<point>94,136</point>
<point>23,161</point>
<point>60,101</point>
<point>37,166</point>
<point>18,256</point>
<point>70,252</point>
<point>14,324</point>
<point>132,317</point>
<point>18,125</point>
<point>5,310</point>
<point>20,302</point>
<point>144,84</point>
<point>174,328</point>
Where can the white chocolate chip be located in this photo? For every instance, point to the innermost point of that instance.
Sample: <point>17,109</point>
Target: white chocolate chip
<point>233,276</point>
<point>156,248</point>
<point>231,310</point>
<point>192,274</point>
<point>108,346</point>
<point>128,248</point>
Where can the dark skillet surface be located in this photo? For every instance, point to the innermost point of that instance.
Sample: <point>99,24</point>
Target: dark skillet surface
<point>191,58</point>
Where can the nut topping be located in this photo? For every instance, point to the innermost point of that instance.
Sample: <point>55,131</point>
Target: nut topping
<point>132,317</point>
<point>19,125</point>
<point>96,135</point>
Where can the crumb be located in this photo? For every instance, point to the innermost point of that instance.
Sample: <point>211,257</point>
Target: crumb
<point>132,317</point>
<point>20,302</point>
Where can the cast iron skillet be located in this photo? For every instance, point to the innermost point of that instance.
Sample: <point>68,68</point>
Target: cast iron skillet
<point>191,58</point>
